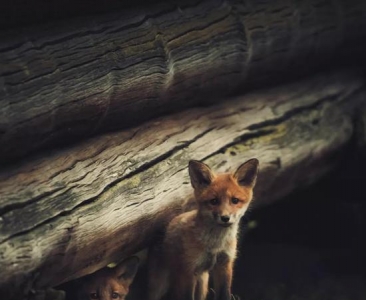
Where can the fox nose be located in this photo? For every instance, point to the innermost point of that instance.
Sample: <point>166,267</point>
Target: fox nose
<point>225,219</point>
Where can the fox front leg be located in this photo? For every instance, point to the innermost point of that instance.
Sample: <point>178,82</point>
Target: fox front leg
<point>158,275</point>
<point>222,275</point>
<point>183,286</point>
<point>202,286</point>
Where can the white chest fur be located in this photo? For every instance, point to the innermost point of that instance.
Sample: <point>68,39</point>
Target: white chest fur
<point>217,238</point>
<point>217,241</point>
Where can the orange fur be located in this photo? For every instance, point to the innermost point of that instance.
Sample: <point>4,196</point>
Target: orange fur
<point>202,242</point>
<point>109,283</point>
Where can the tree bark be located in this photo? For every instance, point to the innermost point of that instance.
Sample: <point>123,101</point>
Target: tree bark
<point>71,212</point>
<point>68,80</point>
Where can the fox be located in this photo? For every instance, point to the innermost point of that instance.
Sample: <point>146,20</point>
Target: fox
<point>200,245</point>
<point>109,283</point>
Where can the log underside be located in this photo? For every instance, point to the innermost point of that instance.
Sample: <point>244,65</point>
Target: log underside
<point>72,211</point>
<point>64,81</point>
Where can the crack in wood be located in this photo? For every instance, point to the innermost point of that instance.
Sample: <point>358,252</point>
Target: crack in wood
<point>240,139</point>
<point>288,114</point>
<point>4,237</point>
<point>14,206</point>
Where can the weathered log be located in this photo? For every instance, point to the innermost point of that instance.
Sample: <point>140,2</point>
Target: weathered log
<point>69,213</point>
<point>68,80</point>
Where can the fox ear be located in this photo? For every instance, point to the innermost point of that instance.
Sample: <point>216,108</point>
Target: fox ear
<point>246,174</point>
<point>127,269</point>
<point>200,174</point>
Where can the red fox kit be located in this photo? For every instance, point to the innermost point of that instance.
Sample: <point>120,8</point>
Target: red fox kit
<point>109,283</point>
<point>202,242</point>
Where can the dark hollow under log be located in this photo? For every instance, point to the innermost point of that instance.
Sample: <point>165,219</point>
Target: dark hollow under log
<point>67,80</point>
<point>71,212</point>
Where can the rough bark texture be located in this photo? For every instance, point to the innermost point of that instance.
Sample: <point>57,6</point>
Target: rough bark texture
<point>68,80</point>
<point>69,213</point>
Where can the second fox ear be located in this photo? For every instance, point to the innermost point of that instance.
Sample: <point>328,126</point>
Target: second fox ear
<point>246,174</point>
<point>200,174</point>
<point>127,269</point>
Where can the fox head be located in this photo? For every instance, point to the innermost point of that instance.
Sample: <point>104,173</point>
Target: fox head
<point>223,198</point>
<point>109,283</point>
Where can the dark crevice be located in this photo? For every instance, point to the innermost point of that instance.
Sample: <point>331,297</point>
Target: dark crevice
<point>10,207</point>
<point>289,114</point>
<point>261,130</point>
<point>137,204</point>
<point>279,10</point>
<point>13,206</point>
<point>240,139</point>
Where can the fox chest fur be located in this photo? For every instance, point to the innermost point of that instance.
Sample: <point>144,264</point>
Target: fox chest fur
<point>219,244</point>
<point>203,245</point>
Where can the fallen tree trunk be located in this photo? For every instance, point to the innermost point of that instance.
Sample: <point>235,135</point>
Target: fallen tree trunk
<point>64,81</point>
<point>73,211</point>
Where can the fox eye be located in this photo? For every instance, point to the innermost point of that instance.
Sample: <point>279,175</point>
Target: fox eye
<point>234,200</point>
<point>93,296</point>
<point>115,295</point>
<point>214,201</point>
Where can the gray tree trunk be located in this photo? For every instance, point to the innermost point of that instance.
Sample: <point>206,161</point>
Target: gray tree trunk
<point>68,80</point>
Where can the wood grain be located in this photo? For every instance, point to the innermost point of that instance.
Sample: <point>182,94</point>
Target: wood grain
<point>71,211</point>
<point>68,80</point>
